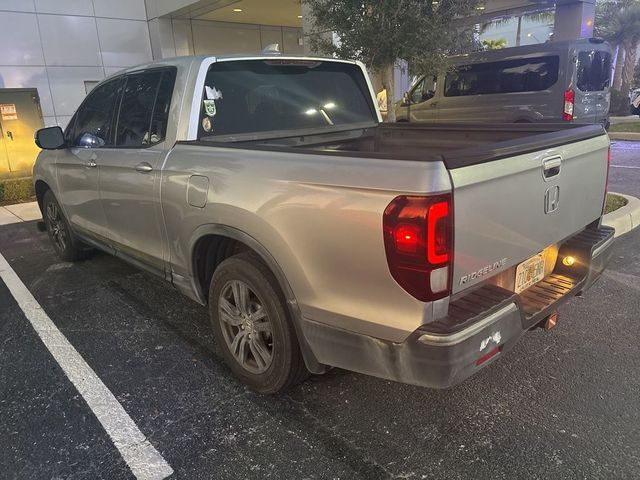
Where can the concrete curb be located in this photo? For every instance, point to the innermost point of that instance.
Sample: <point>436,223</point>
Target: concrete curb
<point>626,218</point>
<point>626,136</point>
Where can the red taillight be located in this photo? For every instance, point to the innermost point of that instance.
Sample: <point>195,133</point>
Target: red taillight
<point>569,102</point>
<point>437,233</point>
<point>406,237</point>
<point>418,237</point>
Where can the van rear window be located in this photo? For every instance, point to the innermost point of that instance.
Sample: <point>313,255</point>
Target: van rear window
<point>250,96</point>
<point>594,71</point>
<point>508,76</point>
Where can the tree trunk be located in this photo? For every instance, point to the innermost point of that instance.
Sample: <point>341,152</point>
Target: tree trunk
<point>519,32</point>
<point>630,55</point>
<point>388,74</point>
<point>617,74</point>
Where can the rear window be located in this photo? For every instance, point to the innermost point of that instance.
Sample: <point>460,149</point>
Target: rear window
<point>593,71</point>
<point>251,96</point>
<point>508,76</point>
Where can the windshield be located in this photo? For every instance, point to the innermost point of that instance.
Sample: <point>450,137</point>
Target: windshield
<point>594,71</point>
<point>248,96</point>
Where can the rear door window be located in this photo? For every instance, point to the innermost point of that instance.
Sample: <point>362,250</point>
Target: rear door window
<point>508,76</point>
<point>267,95</point>
<point>593,71</point>
<point>144,110</point>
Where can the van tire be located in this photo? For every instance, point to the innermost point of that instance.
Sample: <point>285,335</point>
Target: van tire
<point>267,356</point>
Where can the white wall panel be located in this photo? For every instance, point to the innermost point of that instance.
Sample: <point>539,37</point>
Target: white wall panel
<point>19,39</point>
<point>108,71</point>
<point>17,5</point>
<point>50,121</point>
<point>62,121</point>
<point>67,86</point>
<point>124,42</point>
<point>126,9</point>
<point>69,7</point>
<point>69,40</point>
<point>183,37</point>
<point>218,38</point>
<point>269,35</point>
<point>291,42</point>
<point>29,77</point>
<point>161,35</point>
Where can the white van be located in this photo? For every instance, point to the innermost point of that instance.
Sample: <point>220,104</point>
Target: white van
<point>550,82</point>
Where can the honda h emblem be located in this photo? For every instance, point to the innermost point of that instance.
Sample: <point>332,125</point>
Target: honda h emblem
<point>551,199</point>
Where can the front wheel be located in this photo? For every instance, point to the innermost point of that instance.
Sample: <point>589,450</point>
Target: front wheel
<point>252,326</point>
<point>66,245</point>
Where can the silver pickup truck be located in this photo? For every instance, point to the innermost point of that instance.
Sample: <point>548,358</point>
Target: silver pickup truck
<point>268,189</point>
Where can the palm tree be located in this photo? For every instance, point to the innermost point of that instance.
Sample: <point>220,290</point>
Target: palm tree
<point>619,23</point>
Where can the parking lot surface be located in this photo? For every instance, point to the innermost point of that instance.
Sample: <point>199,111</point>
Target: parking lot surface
<point>562,404</point>
<point>624,176</point>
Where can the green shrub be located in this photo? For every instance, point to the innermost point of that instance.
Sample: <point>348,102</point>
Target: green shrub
<point>614,202</point>
<point>16,190</point>
<point>619,103</point>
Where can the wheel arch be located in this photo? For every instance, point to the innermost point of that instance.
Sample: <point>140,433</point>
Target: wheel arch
<point>40,187</point>
<point>213,243</point>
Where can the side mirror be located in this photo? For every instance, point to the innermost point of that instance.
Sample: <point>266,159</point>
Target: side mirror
<point>406,100</point>
<point>89,140</point>
<point>50,138</point>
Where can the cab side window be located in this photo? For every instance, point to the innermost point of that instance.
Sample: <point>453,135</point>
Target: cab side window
<point>142,120</point>
<point>94,119</point>
<point>424,91</point>
<point>416,94</point>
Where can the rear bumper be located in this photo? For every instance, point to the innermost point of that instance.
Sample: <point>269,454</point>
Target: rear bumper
<point>483,324</point>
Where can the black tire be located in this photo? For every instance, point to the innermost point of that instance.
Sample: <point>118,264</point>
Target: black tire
<point>65,243</point>
<point>261,322</point>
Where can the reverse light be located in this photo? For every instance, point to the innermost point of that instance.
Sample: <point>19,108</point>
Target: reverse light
<point>569,102</point>
<point>418,240</point>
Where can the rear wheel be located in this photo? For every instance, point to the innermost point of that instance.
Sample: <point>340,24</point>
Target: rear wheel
<point>66,245</point>
<point>252,326</point>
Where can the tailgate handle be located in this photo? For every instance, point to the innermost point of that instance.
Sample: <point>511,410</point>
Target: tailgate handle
<point>551,167</point>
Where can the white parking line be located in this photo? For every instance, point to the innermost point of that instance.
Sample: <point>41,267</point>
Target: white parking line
<point>143,459</point>
<point>623,166</point>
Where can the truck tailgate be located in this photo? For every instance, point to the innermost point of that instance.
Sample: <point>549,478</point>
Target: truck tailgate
<point>508,210</point>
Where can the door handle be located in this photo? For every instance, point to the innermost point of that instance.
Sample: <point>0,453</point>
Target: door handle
<point>144,167</point>
<point>433,104</point>
<point>551,167</point>
<point>91,164</point>
<point>10,134</point>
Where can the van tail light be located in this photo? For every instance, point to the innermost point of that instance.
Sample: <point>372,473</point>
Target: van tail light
<point>606,183</point>
<point>418,239</point>
<point>569,102</point>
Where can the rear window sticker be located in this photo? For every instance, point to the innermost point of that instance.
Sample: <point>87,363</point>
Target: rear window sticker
<point>212,93</point>
<point>207,126</point>
<point>210,107</point>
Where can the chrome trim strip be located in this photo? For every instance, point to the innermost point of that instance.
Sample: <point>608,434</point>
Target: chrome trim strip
<point>599,250</point>
<point>455,338</point>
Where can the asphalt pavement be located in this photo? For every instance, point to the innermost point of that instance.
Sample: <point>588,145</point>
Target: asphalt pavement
<point>624,175</point>
<point>561,404</point>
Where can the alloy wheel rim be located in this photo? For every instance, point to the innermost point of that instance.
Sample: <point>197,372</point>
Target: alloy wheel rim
<point>246,327</point>
<point>56,226</point>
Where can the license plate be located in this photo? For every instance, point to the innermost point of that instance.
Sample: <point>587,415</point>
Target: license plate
<point>529,273</point>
